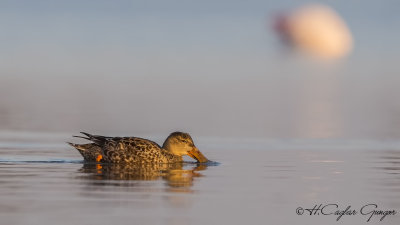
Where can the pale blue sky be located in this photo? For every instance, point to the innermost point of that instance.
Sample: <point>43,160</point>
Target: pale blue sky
<point>187,26</point>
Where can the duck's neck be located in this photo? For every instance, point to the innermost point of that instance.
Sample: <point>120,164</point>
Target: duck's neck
<point>166,146</point>
<point>171,158</point>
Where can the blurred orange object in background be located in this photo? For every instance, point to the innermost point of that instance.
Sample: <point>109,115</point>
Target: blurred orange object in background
<point>316,29</point>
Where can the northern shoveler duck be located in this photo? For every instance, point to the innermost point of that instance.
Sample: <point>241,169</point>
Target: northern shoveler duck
<point>138,150</point>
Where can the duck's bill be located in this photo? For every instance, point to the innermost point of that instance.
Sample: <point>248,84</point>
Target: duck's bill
<point>197,155</point>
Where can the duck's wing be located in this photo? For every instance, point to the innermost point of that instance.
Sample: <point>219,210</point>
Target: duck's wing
<point>131,149</point>
<point>96,139</point>
<point>128,149</point>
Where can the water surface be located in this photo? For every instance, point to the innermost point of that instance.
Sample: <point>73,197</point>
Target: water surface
<point>44,181</point>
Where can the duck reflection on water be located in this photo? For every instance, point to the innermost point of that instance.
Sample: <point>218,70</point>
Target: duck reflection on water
<point>176,175</point>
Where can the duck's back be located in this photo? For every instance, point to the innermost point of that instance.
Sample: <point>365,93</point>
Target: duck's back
<point>133,150</point>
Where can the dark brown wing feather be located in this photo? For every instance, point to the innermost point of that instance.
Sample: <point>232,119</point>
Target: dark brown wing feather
<point>131,150</point>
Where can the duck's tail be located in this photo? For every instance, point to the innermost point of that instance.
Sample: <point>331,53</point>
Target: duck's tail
<point>79,147</point>
<point>83,149</point>
<point>90,152</point>
<point>96,139</point>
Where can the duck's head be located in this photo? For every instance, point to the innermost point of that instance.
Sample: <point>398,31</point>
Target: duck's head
<point>179,143</point>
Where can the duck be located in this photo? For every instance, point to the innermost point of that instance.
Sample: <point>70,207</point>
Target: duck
<point>134,150</point>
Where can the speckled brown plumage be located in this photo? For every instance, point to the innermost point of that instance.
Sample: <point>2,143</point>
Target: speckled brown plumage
<point>90,152</point>
<point>138,150</point>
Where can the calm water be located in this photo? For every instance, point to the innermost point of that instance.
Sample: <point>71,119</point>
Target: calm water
<point>43,181</point>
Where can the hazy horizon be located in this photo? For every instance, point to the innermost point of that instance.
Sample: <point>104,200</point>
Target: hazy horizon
<point>210,68</point>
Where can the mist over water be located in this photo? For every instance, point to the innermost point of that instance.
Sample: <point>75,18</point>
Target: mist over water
<point>317,103</point>
<point>137,68</point>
